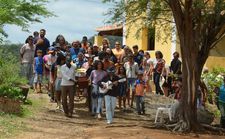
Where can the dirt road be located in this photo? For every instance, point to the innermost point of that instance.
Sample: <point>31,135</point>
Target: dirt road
<point>49,123</point>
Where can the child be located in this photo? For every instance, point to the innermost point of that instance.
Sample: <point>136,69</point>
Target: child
<point>139,93</point>
<point>38,67</point>
<point>58,80</point>
<point>123,93</point>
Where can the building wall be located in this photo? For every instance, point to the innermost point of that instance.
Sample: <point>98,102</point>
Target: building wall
<point>139,37</point>
<point>217,56</point>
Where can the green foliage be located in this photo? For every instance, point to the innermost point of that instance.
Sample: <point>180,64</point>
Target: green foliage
<point>213,80</point>
<point>22,13</point>
<point>9,73</point>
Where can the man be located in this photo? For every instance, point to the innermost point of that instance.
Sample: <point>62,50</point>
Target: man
<point>85,44</point>
<point>75,50</point>
<point>107,62</point>
<point>132,69</point>
<point>27,52</point>
<point>79,61</point>
<point>175,68</point>
<point>42,43</point>
<point>137,56</point>
<point>67,86</point>
<point>118,52</point>
<point>221,102</point>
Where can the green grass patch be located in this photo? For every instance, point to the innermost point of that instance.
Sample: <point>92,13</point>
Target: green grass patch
<point>13,124</point>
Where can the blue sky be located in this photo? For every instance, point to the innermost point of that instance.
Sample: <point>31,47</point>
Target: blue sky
<point>75,18</point>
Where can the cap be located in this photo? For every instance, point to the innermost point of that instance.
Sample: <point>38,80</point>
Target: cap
<point>52,48</point>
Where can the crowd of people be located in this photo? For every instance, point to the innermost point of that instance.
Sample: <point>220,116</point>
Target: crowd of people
<point>113,72</point>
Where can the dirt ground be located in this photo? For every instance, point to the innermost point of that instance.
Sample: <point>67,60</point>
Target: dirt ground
<point>49,123</point>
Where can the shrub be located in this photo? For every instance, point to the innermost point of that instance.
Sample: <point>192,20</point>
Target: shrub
<point>10,75</point>
<point>213,79</point>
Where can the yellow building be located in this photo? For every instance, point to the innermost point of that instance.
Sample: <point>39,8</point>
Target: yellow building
<point>162,41</point>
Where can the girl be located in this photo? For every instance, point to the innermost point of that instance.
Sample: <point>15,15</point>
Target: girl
<point>58,80</point>
<point>159,65</point>
<point>123,93</point>
<point>147,65</point>
<point>97,75</point>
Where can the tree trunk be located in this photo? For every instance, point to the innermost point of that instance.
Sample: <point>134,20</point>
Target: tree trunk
<point>191,73</point>
<point>188,108</point>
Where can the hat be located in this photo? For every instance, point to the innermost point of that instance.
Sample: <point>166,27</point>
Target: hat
<point>111,70</point>
<point>51,49</point>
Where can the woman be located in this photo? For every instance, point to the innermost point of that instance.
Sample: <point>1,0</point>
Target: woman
<point>127,52</point>
<point>27,52</point>
<point>97,75</point>
<point>105,45</point>
<point>159,64</point>
<point>112,57</point>
<point>62,43</point>
<point>118,52</point>
<point>147,65</point>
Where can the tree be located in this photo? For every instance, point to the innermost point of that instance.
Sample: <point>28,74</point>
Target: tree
<point>200,26</point>
<point>22,13</point>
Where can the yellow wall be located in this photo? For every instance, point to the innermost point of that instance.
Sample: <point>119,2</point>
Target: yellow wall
<point>217,56</point>
<point>98,40</point>
<point>141,39</point>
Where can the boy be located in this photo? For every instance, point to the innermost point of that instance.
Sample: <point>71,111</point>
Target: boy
<point>139,93</point>
<point>38,67</point>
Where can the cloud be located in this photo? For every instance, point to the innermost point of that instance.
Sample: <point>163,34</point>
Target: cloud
<point>75,18</point>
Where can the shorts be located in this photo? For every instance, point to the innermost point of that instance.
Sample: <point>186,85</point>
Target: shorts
<point>38,78</point>
<point>131,82</point>
<point>58,84</point>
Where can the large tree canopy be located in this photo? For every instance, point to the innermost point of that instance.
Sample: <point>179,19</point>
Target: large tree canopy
<point>200,26</point>
<point>22,13</point>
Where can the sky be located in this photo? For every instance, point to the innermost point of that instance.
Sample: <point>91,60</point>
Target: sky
<point>75,19</point>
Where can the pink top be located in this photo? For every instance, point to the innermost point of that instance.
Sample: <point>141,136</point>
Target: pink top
<point>97,76</point>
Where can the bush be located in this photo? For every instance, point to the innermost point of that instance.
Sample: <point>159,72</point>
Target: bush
<point>213,79</point>
<point>10,75</point>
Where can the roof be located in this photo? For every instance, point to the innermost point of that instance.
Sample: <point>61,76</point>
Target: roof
<point>114,30</point>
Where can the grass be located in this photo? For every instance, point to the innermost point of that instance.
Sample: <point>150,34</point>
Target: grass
<point>13,124</point>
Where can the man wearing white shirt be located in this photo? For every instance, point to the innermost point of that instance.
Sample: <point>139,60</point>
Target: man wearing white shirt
<point>67,86</point>
<point>131,73</point>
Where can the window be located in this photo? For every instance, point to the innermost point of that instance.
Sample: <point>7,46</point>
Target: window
<point>151,39</point>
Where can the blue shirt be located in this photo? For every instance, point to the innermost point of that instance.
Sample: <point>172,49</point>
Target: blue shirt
<point>75,51</point>
<point>43,47</point>
<point>38,65</point>
<point>138,58</point>
<point>79,63</point>
<point>222,93</point>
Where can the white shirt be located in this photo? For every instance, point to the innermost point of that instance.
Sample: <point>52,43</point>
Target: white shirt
<point>131,70</point>
<point>67,74</point>
<point>27,53</point>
